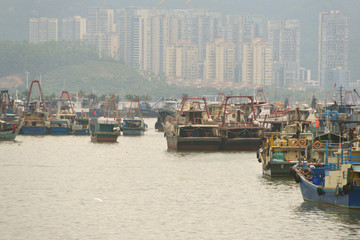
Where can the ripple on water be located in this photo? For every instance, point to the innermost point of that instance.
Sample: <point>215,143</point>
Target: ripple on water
<point>70,188</point>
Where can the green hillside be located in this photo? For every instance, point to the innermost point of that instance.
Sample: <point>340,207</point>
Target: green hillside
<point>103,77</point>
<point>71,66</point>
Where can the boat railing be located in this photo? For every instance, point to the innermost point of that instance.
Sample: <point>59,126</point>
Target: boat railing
<point>321,144</point>
<point>248,123</point>
<point>344,156</point>
<point>271,115</point>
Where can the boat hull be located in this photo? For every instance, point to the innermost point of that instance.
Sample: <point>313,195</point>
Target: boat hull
<point>8,136</point>
<point>310,192</point>
<point>132,132</point>
<point>159,127</point>
<point>193,143</point>
<point>59,131</point>
<point>33,130</point>
<point>244,144</point>
<point>104,138</point>
<point>278,169</point>
<point>81,132</point>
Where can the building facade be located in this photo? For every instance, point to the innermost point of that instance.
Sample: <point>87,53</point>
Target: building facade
<point>219,65</point>
<point>257,63</point>
<point>182,61</point>
<point>43,30</point>
<point>101,32</point>
<point>73,28</point>
<point>333,48</point>
<point>284,37</point>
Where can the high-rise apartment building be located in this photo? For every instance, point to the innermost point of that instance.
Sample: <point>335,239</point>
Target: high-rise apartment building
<point>284,37</point>
<point>333,49</point>
<point>257,63</point>
<point>220,61</point>
<point>144,34</point>
<point>202,26</point>
<point>101,32</point>
<point>100,20</point>
<point>153,39</point>
<point>239,29</point>
<point>43,30</point>
<point>73,28</point>
<point>127,28</point>
<point>182,61</point>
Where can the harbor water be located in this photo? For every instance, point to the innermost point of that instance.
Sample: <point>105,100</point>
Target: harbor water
<point>66,187</point>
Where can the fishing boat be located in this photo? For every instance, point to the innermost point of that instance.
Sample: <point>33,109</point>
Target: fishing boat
<point>7,106</point>
<point>61,122</point>
<point>270,116</point>
<point>192,128</point>
<point>147,110</point>
<point>80,126</point>
<point>60,126</point>
<point>9,129</point>
<point>35,115</point>
<point>281,152</point>
<point>216,106</point>
<point>106,128</point>
<point>239,129</point>
<point>134,124</point>
<point>168,108</point>
<point>10,124</point>
<point>333,180</point>
<point>161,119</point>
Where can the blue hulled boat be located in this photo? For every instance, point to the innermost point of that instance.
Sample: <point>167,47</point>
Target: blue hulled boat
<point>61,122</point>
<point>134,124</point>
<point>81,126</point>
<point>334,181</point>
<point>60,127</point>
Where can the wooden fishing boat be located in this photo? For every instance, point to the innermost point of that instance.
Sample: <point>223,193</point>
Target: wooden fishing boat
<point>106,128</point>
<point>335,180</point>
<point>168,109</point>
<point>35,115</point>
<point>192,128</point>
<point>239,129</point>
<point>280,153</point>
<point>61,122</point>
<point>9,130</point>
<point>80,126</point>
<point>10,123</point>
<point>134,123</point>
<point>161,119</point>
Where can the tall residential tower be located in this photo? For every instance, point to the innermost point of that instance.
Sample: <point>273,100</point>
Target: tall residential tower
<point>333,49</point>
<point>43,30</point>
<point>284,37</point>
<point>73,28</point>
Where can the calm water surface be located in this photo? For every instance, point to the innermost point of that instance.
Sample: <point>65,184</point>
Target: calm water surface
<point>66,187</point>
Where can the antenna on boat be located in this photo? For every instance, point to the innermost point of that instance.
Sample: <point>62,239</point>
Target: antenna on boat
<point>341,95</point>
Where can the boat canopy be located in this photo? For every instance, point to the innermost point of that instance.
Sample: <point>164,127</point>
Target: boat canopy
<point>356,167</point>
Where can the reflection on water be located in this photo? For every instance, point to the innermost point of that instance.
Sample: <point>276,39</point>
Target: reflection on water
<point>344,215</point>
<point>70,188</point>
